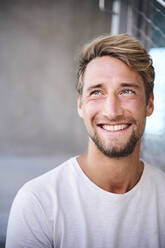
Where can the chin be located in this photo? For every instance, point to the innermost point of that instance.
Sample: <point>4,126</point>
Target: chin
<point>117,151</point>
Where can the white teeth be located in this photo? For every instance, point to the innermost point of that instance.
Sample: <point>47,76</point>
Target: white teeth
<point>114,127</point>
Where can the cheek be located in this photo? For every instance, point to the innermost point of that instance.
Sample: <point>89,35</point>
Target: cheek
<point>91,109</point>
<point>135,106</point>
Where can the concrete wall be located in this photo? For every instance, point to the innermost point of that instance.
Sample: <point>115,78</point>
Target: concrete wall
<point>39,41</point>
<point>39,125</point>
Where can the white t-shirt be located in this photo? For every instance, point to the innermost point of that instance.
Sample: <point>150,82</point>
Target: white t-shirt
<point>64,209</point>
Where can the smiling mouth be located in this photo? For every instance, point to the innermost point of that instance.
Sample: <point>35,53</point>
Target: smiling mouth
<point>114,128</point>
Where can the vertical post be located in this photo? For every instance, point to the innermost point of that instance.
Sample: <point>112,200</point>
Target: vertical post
<point>115,17</point>
<point>123,25</point>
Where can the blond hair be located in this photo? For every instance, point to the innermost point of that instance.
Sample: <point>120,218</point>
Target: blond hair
<point>123,47</point>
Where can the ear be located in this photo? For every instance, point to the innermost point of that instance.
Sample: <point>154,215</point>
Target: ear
<point>79,106</point>
<point>150,105</point>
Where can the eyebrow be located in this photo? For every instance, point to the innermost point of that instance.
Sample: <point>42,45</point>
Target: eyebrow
<point>95,86</point>
<point>132,85</point>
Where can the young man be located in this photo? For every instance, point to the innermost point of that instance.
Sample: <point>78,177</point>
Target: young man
<point>106,197</point>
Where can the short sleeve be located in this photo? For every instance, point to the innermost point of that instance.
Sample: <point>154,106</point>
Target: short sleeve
<point>28,225</point>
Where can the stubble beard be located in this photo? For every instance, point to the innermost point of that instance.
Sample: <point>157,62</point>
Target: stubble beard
<point>118,152</point>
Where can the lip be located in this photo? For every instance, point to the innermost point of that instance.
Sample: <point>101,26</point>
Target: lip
<point>117,128</point>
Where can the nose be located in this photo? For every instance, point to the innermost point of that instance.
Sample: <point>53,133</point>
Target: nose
<point>112,108</point>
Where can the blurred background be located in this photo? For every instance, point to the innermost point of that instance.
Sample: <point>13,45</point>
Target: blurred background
<point>39,45</point>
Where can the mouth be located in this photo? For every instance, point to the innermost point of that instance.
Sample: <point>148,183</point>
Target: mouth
<point>114,128</point>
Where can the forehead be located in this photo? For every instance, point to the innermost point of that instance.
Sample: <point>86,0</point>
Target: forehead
<point>107,69</point>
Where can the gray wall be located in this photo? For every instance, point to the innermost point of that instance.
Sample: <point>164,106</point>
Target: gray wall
<point>39,41</point>
<point>39,126</point>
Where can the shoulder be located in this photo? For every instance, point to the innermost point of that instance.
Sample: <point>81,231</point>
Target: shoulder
<point>35,208</point>
<point>46,187</point>
<point>156,177</point>
<point>42,195</point>
<point>155,172</point>
<point>51,178</point>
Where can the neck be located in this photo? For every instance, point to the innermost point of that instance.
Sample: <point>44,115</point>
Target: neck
<point>116,175</point>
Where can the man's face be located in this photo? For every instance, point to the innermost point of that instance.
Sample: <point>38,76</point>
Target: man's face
<point>113,106</point>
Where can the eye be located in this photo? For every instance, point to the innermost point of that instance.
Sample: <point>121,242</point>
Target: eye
<point>128,92</point>
<point>95,93</point>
